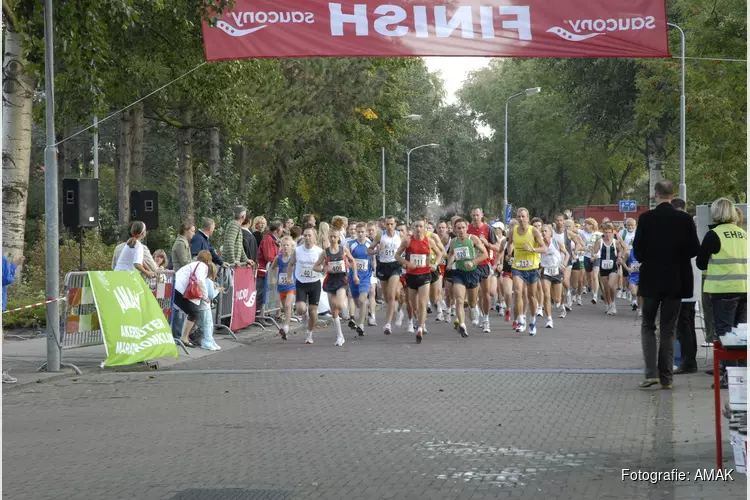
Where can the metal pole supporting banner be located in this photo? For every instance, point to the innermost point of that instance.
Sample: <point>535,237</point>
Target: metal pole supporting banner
<point>52,260</point>
<point>96,147</point>
<point>408,179</point>
<point>383,164</point>
<point>683,182</point>
<point>505,170</point>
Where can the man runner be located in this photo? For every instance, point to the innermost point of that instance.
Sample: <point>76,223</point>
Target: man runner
<point>527,247</point>
<point>486,236</point>
<point>388,271</point>
<point>467,251</point>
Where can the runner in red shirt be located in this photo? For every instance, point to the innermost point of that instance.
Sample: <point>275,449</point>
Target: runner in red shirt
<point>416,249</point>
<point>487,236</point>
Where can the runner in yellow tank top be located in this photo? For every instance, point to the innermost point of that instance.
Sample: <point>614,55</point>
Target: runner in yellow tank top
<point>527,246</point>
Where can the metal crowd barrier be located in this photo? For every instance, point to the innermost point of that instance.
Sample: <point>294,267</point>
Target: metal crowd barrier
<point>271,308</point>
<point>224,301</point>
<point>79,321</point>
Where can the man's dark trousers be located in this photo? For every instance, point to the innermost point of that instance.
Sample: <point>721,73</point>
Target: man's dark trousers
<point>659,362</point>
<point>686,336</point>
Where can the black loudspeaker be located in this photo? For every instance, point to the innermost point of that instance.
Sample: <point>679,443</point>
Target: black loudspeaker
<point>144,206</point>
<point>80,199</point>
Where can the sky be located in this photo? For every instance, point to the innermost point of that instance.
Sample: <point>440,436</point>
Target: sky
<point>454,71</point>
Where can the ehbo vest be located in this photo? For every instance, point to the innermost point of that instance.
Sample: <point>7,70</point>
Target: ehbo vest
<point>727,270</point>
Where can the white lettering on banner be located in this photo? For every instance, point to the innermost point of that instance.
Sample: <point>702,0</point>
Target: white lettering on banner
<point>601,26</point>
<point>250,302</point>
<point>131,332</point>
<point>248,18</point>
<point>390,17</point>
<point>134,348</point>
<point>127,299</point>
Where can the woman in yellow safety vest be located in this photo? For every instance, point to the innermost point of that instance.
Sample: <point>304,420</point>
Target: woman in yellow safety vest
<point>723,254</point>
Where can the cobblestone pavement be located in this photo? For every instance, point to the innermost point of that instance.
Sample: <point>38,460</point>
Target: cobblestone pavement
<point>282,421</point>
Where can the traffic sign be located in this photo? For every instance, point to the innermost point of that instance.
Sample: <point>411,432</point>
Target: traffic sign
<point>628,206</point>
<point>508,213</point>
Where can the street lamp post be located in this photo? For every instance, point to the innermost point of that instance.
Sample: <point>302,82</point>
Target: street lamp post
<point>683,184</point>
<point>530,91</point>
<point>408,175</point>
<point>411,117</point>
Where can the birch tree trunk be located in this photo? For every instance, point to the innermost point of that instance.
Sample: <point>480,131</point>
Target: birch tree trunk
<point>185,164</point>
<point>124,158</point>
<point>136,162</point>
<point>18,91</point>
<point>214,152</point>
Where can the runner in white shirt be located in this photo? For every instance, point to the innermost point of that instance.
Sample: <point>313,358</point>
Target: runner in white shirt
<point>388,270</point>
<point>308,287</point>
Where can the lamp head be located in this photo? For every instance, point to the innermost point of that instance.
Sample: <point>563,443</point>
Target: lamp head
<point>413,117</point>
<point>433,145</point>
<point>533,90</point>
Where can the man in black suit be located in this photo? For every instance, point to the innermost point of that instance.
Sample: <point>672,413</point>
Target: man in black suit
<point>664,243</point>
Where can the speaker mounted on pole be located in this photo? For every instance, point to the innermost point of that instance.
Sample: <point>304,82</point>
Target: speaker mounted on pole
<point>144,206</point>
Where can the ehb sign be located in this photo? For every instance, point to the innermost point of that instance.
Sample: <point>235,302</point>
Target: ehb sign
<point>244,305</point>
<point>500,28</point>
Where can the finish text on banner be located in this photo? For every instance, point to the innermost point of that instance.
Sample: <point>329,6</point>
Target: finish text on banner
<point>133,325</point>
<point>491,28</point>
<point>244,305</point>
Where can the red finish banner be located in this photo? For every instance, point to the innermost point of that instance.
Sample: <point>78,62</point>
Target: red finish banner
<point>244,305</point>
<point>490,28</point>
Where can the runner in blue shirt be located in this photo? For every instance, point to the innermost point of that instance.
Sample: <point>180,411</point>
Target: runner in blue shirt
<point>358,248</point>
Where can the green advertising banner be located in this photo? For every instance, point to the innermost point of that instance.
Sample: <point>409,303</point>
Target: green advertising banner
<point>133,325</point>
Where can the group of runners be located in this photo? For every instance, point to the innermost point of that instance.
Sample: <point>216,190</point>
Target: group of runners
<point>523,271</point>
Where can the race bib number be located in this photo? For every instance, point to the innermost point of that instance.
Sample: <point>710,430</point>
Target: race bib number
<point>388,251</point>
<point>512,260</point>
<point>551,271</point>
<point>419,260</point>
<point>523,263</point>
<point>336,266</point>
<point>461,253</point>
<point>608,264</point>
<point>362,264</point>
<point>284,279</point>
<point>636,266</point>
<point>307,272</point>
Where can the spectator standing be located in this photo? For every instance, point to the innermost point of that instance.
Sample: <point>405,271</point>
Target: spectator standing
<point>296,234</point>
<point>664,243</point>
<point>201,241</point>
<point>686,320</point>
<point>233,249</point>
<point>181,247</point>
<point>267,252</point>
<point>191,307</point>
<point>9,276</point>
<point>205,318</point>
<point>723,254</point>
<point>288,225</point>
<point>249,243</point>
<point>148,259</point>
<point>131,256</point>
<point>259,228</point>
<point>160,259</point>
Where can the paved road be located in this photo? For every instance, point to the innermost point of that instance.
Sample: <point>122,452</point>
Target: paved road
<point>499,415</point>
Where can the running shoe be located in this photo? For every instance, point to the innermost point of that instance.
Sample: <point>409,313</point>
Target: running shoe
<point>507,315</point>
<point>498,308</point>
<point>486,327</point>
<point>387,329</point>
<point>563,312</point>
<point>308,338</point>
<point>619,293</point>
<point>640,314</point>
<point>399,318</point>
<point>579,301</point>
<point>339,340</point>
<point>549,323</point>
<point>352,323</point>
<point>455,324</point>
<point>429,309</point>
<point>593,300</point>
<point>282,333</point>
<point>371,321</point>
<point>515,325</point>
<point>613,309</point>
<point>521,327</point>
<point>360,331</point>
<point>7,379</point>
<point>462,331</point>
<point>532,328</point>
<point>440,316</point>
<point>634,306</point>
<point>419,336</point>
<point>410,327</point>
<point>540,312</point>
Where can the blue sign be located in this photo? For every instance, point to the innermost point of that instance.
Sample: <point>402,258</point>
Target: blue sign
<point>628,206</point>
<point>508,213</point>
